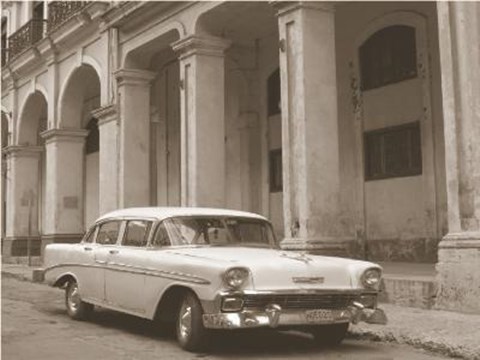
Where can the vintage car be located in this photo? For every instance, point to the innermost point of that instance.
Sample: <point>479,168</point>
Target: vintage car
<point>202,269</point>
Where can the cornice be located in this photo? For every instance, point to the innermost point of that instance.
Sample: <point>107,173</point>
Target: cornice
<point>134,77</point>
<point>201,45</point>
<point>68,135</point>
<point>105,114</point>
<point>22,150</point>
<point>285,7</point>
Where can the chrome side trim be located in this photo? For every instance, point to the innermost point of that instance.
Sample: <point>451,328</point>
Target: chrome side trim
<point>172,275</point>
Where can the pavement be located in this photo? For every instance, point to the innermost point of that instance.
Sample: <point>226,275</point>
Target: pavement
<point>451,334</point>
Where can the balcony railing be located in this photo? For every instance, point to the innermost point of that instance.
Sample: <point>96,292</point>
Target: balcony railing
<point>61,11</point>
<point>26,36</point>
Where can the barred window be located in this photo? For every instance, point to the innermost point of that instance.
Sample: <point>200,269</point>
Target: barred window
<point>388,56</point>
<point>393,152</point>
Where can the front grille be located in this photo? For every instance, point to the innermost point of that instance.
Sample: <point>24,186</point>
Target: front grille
<point>300,301</point>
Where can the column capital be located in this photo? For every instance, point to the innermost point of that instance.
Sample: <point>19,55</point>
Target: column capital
<point>285,7</point>
<point>134,77</point>
<point>201,45</point>
<point>65,135</point>
<point>22,151</point>
<point>105,114</point>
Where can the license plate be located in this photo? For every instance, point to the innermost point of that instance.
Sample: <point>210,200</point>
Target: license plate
<point>319,316</point>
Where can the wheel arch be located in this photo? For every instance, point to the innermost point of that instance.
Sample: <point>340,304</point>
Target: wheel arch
<point>170,301</point>
<point>64,279</point>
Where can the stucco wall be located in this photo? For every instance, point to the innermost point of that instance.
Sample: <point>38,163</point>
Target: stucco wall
<point>400,219</point>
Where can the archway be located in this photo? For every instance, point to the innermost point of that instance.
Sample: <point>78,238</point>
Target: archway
<point>157,57</point>
<point>80,96</point>
<point>28,169</point>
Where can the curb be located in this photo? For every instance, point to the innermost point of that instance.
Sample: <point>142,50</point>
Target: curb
<point>386,335</point>
<point>36,276</point>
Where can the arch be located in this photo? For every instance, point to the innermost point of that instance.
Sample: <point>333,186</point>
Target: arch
<point>40,88</point>
<point>408,18</point>
<point>83,81</point>
<point>141,49</point>
<point>33,118</point>
<point>196,23</point>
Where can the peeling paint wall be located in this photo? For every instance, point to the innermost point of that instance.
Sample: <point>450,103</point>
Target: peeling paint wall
<point>397,219</point>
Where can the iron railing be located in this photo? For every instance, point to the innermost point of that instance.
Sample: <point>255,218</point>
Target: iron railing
<point>26,36</point>
<point>61,11</point>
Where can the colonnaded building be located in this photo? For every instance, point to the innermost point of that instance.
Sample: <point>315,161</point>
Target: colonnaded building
<point>355,126</point>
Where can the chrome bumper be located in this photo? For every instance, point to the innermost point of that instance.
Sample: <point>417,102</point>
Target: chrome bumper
<point>273,316</point>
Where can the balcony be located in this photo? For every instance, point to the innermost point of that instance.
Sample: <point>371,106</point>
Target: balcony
<point>25,37</point>
<point>61,11</point>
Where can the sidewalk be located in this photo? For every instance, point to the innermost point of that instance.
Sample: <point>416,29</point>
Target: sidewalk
<point>444,332</point>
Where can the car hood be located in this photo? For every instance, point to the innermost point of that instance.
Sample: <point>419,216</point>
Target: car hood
<point>277,269</point>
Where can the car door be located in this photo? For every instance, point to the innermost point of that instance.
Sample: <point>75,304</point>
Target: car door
<point>125,278</point>
<point>89,276</point>
<point>106,245</point>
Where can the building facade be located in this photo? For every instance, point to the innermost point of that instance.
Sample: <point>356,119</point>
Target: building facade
<point>353,126</point>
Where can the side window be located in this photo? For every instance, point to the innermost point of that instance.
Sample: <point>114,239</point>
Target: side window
<point>161,236</point>
<point>136,233</point>
<point>90,236</point>
<point>108,233</point>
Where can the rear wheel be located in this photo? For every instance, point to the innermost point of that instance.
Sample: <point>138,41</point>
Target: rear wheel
<point>191,334</point>
<point>330,335</point>
<point>76,308</point>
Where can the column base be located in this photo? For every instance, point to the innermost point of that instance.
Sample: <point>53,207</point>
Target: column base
<point>458,277</point>
<point>21,246</point>
<point>340,247</point>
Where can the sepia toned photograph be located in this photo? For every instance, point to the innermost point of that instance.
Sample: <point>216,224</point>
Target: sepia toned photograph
<point>240,180</point>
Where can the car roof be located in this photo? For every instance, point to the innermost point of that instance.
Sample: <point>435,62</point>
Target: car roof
<point>160,213</point>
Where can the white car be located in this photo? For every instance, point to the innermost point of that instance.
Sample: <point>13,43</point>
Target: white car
<point>204,269</point>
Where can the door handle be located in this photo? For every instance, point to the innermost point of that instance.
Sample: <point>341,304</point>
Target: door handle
<point>86,248</point>
<point>113,252</point>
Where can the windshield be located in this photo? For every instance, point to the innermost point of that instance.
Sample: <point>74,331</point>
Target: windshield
<point>217,231</point>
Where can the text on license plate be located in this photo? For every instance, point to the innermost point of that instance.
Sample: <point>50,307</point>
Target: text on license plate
<point>319,316</point>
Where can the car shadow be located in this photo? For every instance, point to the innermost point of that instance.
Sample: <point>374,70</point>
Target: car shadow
<point>251,342</point>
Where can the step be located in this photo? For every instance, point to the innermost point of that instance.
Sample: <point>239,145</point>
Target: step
<point>409,284</point>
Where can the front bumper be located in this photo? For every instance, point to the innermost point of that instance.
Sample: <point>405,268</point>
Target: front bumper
<point>273,316</point>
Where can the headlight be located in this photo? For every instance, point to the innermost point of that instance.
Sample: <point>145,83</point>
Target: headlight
<point>236,277</point>
<point>371,278</point>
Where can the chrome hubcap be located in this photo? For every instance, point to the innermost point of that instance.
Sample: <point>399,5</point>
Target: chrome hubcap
<point>185,321</point>
<point>73,298</point>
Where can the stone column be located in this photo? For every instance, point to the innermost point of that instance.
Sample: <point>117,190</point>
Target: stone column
<point>202,82</point>
<point>64,197</point>
<point>107,117</point>
<point>459,251</point>
<point>134,137</point>
<point>22,192</point>
<point>310,142</point>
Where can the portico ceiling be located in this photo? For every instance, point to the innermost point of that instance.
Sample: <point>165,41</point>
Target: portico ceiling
<point>240,22</point>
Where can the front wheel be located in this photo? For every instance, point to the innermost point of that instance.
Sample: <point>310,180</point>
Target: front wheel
<point>76,308</point>
<point>191,334</point>
<point>330,335</point>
